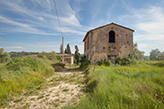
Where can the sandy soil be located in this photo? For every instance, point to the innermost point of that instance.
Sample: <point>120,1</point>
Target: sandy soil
<point>63,88</point>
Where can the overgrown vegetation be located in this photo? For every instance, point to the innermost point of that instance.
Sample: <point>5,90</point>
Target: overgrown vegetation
<point>4,56</point>
<point>22,74</point>
<point>104,62</point>
<point>130,60</point>
<point>140,86</point>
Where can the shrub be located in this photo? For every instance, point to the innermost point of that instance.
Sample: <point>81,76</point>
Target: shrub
<point>59,58</point>
<point>126,61</point>
<point>4,56</point>
<point>100,63</point>
<point>51,55</point>
<point>39,55</point>
<point>84,64</point>
<point>105,63</point>
<point>59,64</point>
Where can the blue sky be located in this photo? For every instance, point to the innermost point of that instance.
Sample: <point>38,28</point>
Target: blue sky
<point>32,25</point>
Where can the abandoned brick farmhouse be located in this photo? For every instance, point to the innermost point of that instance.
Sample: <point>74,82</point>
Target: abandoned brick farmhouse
<point>108,42</point>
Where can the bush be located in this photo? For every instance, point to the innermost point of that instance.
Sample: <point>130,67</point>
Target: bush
<point>84,64</point>
<point>105,63</point>
<point>4,56</point>
<point>126,61</point>
<point>51,55</point>
<point>39,55</point>
<point>59,58</point>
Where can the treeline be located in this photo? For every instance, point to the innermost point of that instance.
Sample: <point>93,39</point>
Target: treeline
<point>157,55</point>
<point>6,57</point>
<point>22,54</point>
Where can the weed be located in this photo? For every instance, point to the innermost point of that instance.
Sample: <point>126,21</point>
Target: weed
<point>57,94</point>
<point>71,80</point>
<point>32,99</point>
<point>34,105</point>
<point>62,101</point>
<point>56,99</point>
<point>18,100</point>
<point>48,95</point>
<point>28,93</point>
<point>65,90</point>
<point>42,96</point>
<point>27,105</point>
<point>56,104</point>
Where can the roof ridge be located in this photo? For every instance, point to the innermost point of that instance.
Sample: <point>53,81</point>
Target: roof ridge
<point>104,26</point>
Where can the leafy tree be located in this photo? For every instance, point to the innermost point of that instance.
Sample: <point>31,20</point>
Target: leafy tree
<point>162,55</point>
<point>68,50</point>
<point>77,55</point>
<point>4,56</point>
<point>137,54</point>
<point>51,55</point>
<point>156,55</point>
<point>65,51</point>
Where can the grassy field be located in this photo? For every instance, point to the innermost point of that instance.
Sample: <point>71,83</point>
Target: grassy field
<point>22,74</point>
<point>140,86</point>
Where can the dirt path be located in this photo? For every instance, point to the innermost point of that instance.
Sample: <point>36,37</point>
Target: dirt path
<point>61,89</point>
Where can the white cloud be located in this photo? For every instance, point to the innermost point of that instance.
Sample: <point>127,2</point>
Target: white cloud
<point>41,14</point>
<point>15,47</point>
<point>149,25</point>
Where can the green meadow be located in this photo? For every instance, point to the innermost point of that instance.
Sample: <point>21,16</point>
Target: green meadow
<point>139,86</point>
<point>22,74</point>
<point>134,86</point>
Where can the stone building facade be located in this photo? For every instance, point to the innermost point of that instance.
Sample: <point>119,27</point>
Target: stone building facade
<point>108,42</point>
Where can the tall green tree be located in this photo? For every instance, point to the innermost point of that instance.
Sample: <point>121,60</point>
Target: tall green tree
<point>156,55</point>
<point>162,55</point>
<point>77,55</point>
<point>139,55</point>
<point>68,49</point>
<point>4,56</point>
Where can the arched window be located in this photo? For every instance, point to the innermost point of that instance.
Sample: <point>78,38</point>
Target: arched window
<point>111,37</point>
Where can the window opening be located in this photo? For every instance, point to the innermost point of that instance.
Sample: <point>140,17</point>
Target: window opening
<point>111,37</point>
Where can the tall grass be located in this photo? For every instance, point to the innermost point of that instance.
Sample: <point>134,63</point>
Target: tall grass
<point>22,74</point>
<point>133,87</point>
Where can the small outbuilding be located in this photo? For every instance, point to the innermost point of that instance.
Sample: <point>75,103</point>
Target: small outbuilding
<point>68,58</point>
